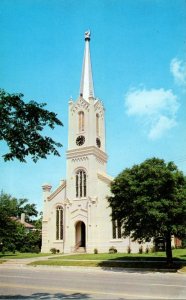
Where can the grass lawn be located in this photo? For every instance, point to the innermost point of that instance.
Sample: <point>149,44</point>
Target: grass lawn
<point>109,264</point>
<point>178,254</point>
<point>10,255</point>
<point>153,261</point>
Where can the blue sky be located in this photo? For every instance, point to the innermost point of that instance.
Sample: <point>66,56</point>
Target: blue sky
<point>138,52</point>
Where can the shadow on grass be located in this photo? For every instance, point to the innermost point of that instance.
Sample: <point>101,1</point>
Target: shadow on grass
<point>46,296</point>
<point>143,263</point>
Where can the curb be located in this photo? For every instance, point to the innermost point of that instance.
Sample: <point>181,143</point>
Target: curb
<point>113,269</point>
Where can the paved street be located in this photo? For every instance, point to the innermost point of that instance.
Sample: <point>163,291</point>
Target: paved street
<point>23,282</point>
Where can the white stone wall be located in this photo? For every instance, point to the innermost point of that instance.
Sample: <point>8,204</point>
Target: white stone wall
<point>93,209</point>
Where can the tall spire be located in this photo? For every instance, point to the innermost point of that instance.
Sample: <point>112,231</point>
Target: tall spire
<point>87,87</point>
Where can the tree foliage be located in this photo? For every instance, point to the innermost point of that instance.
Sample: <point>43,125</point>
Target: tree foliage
<point>21,125</point>
<point>14,207</point>
<point>150,201</point>
<point>13,235</point>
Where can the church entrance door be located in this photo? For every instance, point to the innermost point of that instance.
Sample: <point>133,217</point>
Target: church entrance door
<point>80,235</point>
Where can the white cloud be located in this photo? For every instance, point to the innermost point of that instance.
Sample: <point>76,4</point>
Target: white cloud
<point>178,70</point>
<point>156,108</point>
<point>161,126</point>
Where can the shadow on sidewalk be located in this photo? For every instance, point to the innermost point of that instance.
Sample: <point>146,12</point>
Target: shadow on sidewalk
<point>46,296</point>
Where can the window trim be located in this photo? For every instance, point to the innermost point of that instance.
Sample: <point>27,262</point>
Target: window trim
<point>116,229</point>
<point>81,183</point>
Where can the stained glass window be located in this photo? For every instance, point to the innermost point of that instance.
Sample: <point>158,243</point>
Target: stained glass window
<point>59,223</point>
<point>81,189</point>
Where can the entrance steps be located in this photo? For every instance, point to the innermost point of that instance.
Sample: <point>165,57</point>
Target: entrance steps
<point>80,250</point>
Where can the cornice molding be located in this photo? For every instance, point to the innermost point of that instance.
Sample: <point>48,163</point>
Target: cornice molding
<point>80,159</point>
<point>85,151</point>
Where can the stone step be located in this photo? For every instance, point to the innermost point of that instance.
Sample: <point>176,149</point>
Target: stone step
<point>81,250</point>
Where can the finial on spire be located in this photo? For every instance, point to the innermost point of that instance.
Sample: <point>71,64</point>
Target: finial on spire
<point>86,86</point>
<point>87,35</point>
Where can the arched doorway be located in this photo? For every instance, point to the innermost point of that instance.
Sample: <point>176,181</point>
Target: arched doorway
<point>80,234</point>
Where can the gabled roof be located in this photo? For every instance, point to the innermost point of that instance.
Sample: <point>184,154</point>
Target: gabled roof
<point>25,224</point>
<point>104,177</point>
<point>58,190</point>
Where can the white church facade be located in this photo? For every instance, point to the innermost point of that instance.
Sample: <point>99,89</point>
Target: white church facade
<point>76,216</point>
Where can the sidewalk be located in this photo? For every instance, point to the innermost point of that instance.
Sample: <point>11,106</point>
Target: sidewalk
<point>23,263</point>
<point>20,262</point>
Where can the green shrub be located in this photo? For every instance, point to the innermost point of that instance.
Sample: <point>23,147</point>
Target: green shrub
<point>129,250</point>
<point>112,250</point>
<point>25,249</point>
<point>153,249</point>
<point>95,251</point>
<point>35,249</point>
<point>53,250</point>
<point>4,249</point>
<point>140,250</point>
<point>11,247</point>
<point>147,250</point>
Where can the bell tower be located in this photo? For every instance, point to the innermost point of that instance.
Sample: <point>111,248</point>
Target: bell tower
<point>76,215</point>
<point>86,134</point>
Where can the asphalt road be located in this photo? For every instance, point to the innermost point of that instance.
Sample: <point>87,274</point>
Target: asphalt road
<point>62,283</point>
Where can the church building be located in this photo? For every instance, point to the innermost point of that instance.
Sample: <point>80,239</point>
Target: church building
<point>76,216</point>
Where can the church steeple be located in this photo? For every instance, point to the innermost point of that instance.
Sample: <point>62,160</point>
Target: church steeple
<point>87,87</point>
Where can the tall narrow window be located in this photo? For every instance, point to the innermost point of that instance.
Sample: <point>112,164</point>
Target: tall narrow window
<point>116,229</point>
<point>81,189</point>
<point>97,124</point>
<point>119,229</point>
<point>59,223</point>
<point>81,121</point>
<point>77,184</point>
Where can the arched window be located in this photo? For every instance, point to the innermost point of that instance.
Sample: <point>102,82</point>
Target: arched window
<point>97,124</point>
<point>59,223</point>
<point>81,184</point>
<point>81,121</point>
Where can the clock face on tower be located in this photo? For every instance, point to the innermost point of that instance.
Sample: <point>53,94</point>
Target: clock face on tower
<point>80,140</point>
<point>98,142</point>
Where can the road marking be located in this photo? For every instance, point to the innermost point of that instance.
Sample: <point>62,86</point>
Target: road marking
<point>128,283</point>
<point>34,287</point>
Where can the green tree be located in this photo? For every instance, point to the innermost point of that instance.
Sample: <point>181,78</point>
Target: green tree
<point>21,125</point>
<point>28,208</point>
<point>38,223</point>
<point>8,229</point>
<point>150,201</point>
<point>8,204</point>
<point>33,241</point>
<point>8,226</point>
<point>12,233</point>
<point>15,207</point>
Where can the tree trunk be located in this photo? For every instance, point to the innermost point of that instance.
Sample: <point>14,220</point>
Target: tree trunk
<point>168,248</point>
